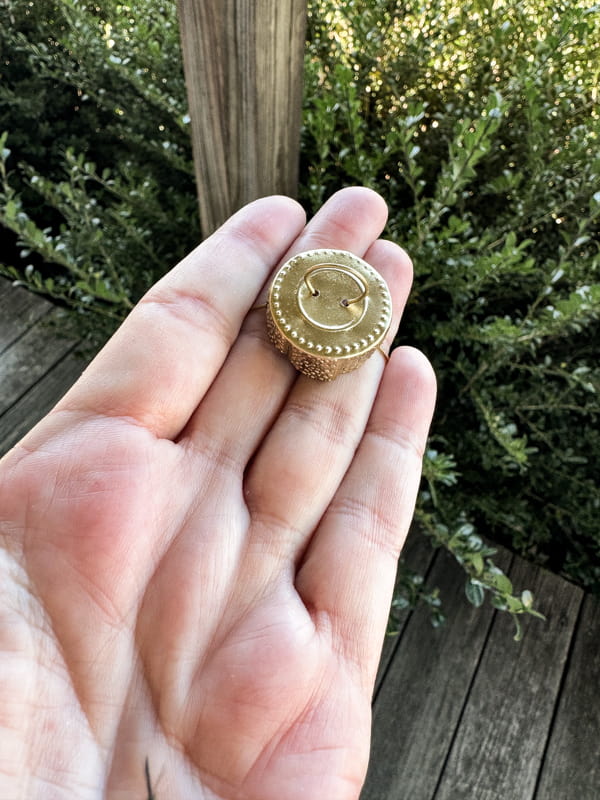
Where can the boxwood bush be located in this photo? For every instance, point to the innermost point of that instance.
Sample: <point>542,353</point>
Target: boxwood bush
<point>479,125</point>
<point>100,199</point>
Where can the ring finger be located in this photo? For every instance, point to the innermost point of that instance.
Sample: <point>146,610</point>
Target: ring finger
<point>252,386</point>
<point>306,454</point>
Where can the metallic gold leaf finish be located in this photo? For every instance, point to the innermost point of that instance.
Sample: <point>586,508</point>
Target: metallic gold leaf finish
<point>328,311</point>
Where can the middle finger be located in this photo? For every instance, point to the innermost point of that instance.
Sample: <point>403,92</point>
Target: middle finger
<point>252,386</point>
<point>307,452</point>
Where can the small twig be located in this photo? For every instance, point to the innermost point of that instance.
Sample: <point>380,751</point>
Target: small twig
<point>151,795</point>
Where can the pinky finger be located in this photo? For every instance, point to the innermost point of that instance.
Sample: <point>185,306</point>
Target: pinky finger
<point>347,576</point>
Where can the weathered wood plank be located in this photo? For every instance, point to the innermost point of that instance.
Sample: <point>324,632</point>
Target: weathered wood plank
<point>419,704</point>
<point>419,555</point>
<point>37,365</point>
<point>40,398</point>
<point>19,310</point>
<point>30,357</point>
<point>571,765</point>
<point>499,745</point>
<point>243,64</point>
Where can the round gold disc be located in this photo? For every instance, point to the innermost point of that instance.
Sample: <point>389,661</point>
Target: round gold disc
<point>328,310</point>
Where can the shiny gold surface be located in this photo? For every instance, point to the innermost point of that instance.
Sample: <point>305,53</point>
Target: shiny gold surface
<point>327,311</point>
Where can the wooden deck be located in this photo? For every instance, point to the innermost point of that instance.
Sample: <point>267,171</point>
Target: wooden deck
<point>460,712</point>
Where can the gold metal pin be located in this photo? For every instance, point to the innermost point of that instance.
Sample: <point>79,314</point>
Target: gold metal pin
<point>328,311</point>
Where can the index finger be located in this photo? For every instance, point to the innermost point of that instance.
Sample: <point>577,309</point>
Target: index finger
<point>159,364</point>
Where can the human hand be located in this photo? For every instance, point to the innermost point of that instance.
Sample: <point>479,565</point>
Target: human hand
<point>198,546</point>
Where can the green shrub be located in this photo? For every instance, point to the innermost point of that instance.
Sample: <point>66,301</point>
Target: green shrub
<point>97,174</point>
<point>477,124</point>
<point>480,126</point>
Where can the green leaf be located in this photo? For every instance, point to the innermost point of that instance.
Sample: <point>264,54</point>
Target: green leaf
<point>527,598</point>
<point>499,581</point>
<point>477,562</point>
<point>10,210</point>
<point>475,593</point>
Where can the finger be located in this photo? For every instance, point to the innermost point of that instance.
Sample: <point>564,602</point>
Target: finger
<point>352,219</point>
<point>159,364</point>
<point>309,449</point>
<point>233,418</point>
<point>253,384</point>
<point>347,576</point>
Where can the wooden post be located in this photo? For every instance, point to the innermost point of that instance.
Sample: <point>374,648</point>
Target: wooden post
<point>244,64</point>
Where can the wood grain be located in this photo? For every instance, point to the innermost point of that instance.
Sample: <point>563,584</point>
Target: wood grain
<point>418,707</point>
<point>38,400</point>
<point>243,63</point>
<point>500,742</point>
<point>19,310</point>
<point>418,554</point>
<point>28,358</point>
<point>571,766</point>
<point>37,365</point>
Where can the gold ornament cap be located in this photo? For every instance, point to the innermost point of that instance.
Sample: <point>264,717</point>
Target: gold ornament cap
<point>328,311</point>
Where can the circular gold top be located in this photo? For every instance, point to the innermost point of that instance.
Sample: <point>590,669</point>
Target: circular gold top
<point>328,310</point>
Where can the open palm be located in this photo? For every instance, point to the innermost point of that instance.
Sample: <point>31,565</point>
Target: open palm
<point>198,546</point>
